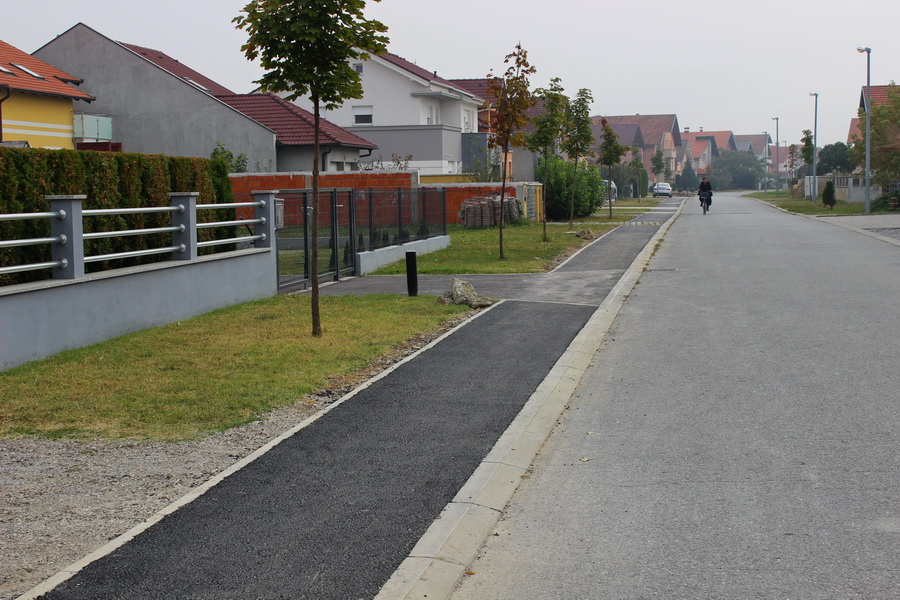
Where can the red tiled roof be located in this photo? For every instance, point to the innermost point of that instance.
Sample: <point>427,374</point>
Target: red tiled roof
<point>879,95</point>
<point>699,144</point>
<point>476,87</point>
<point>164,61</point>
<point>724,139</point>
<point>653,127</point>
<point>293,126</point>
<point>758,141</point>
<point>51,81</point>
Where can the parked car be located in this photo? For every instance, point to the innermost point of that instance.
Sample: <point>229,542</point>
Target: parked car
<point>613,191</point>
<point>662,189</point>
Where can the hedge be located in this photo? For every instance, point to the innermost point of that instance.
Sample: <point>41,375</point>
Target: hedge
<point>109,180</point>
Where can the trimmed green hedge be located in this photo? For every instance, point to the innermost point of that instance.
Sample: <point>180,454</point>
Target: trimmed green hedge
<point>109,180</point>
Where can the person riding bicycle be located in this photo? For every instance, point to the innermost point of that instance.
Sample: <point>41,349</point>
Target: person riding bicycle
<point>705,186</point>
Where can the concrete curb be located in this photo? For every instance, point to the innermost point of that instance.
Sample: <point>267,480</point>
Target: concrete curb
<point>451,544</point>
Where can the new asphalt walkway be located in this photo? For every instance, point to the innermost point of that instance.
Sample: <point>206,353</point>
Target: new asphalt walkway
<point>334,507</point>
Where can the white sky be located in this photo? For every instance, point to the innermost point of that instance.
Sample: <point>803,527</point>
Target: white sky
<point>728,64</point>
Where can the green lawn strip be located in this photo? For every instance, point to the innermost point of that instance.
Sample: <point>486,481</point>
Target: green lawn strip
<point>478,251</point>
<point>209,373</point>
<point>805,207</point>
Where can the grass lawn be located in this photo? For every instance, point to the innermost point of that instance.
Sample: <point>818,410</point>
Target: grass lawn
<point>230,366</point>
<point>478,250</point>
<point>805,207</point>
<point>208,373</point>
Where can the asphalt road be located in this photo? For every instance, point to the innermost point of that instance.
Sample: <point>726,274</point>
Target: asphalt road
<point>332,511</point>
<point>738,436</point>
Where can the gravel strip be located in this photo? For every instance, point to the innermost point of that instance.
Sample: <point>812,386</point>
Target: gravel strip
<point>61,500</point>
<point>892,232</point>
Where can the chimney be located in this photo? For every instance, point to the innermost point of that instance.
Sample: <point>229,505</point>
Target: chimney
<point>687,129</point>
<point>701,129</point>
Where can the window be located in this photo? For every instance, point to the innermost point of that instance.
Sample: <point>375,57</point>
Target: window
<point>468,120</point>
<point>362,115</point>
<point>429,115</point>
<point>7,71</point>
<point>27,70</point>
<point>358,67</point>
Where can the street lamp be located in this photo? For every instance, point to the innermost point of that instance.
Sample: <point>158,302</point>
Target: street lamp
<point>777,161</point>
<point>815,181</point>
<point>766,180</point>
<point>868,52</point>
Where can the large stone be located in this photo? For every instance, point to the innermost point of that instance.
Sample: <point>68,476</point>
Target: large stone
<point>463,292</point>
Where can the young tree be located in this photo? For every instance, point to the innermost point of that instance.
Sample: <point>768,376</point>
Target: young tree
<point>640,179</point>
<point>689,179</point>
<point>808,150</point>
<point>579,136</point>
<point>548,129</point>
<point>657,164</point>
<point>611,152</point>
<point>512,99</point>
<point>828,196</point>
<point>305,47</point>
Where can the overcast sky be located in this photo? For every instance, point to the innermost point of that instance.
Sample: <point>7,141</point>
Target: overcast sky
<point>727,64</point>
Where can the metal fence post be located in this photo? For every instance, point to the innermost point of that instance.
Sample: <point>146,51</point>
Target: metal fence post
<point>185,217</point>
<point>266,212</point>
<point>372,241</point>
<point>69,251</point>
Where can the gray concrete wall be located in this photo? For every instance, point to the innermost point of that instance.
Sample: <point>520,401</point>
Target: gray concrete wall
<point>424,142</point>
<point>41,319</point>
<point>154,112</point>
<point>374,259</point>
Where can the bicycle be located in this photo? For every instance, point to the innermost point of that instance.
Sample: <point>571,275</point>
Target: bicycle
<point>704,201</point>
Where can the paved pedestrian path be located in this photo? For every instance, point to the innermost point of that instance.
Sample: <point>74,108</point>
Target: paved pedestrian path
<point>331,511</point>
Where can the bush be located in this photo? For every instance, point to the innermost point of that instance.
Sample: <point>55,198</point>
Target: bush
<point>109,180</point>
<point>828,197</point>
<point>557,175</point>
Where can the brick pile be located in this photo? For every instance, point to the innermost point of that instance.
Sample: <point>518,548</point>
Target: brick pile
<point>484,211</point>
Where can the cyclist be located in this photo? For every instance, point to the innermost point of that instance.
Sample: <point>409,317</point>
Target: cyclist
<point>706,186</point>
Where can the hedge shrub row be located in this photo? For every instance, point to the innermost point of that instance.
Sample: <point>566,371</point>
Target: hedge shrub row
<point>109,180</point>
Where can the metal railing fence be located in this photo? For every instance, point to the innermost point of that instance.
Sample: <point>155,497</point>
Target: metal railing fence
<point>67,239</point>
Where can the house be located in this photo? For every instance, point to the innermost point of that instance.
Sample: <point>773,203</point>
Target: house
<point>409,111</point>
<point>150,103</point>
<point>36,101</point>
<point>703,148</point>
<point>659,131</point>
<point>758,143</point>
<point>724,139</point>
<point>294,131</point>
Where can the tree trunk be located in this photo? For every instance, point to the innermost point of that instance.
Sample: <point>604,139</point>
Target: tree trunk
<point>572,199</point>
<point>544,195</point>
<point>314,259</point>
<point>609,190</point>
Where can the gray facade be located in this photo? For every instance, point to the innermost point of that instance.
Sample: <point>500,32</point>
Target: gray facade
<point>153,111</point>
<point>424,142</point>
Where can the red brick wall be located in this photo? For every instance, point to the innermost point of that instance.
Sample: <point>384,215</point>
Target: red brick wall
<point>243,184</point>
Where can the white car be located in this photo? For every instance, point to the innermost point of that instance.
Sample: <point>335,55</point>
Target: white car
<point>662,189</point>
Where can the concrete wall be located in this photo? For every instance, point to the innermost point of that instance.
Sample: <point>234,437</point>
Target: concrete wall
<point>44,318</point>
<point>435,149</point>
<point>374,259</point>
<point>153,111</point>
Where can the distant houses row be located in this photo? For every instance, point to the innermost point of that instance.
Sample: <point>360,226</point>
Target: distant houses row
<point>85,90</point>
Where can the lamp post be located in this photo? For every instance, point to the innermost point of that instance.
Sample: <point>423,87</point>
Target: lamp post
<point>777,161</point>
<point>815,181</point>
<point>766,180</point>
<point>868,52</point>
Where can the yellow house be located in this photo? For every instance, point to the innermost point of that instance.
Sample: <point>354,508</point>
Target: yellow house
<point>36,101</point>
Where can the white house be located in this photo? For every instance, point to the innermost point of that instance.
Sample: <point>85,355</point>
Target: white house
<point>408,111</point>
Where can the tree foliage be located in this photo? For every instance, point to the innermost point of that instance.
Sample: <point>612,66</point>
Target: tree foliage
<point>548,126</point>
<point>828,196</point>
<point>808,149</point>
<point>305,47</point>
<point>688,179</point>
<point>658,163</point>
<point>611,151</point>
<point>236,164</point>
<point>835,158</point>
<point>579,136</point>
<point>885,151</point>
<point>589,191</point>
<point>737,170</point>
<point>512,98</point>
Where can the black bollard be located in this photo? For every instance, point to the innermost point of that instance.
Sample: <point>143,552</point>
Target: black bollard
<point>412,275</point>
